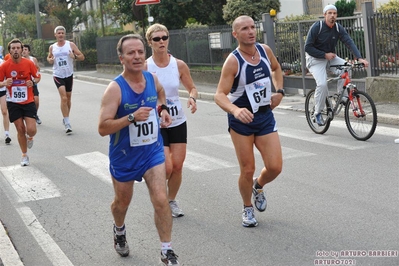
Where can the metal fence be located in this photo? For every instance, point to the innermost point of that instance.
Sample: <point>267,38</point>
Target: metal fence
<point>376,35</point>
<point>386,51</point>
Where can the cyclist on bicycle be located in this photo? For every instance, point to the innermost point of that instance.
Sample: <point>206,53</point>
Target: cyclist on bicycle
<point>320,54</point>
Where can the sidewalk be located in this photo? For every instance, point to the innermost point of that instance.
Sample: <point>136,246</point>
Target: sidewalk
<point>388,113</point>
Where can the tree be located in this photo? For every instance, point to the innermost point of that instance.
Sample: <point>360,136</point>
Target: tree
<point>389,8</point>
<point>208,12</point>
<point>28,6</point>
<point>8,6</point>
<point>252,8</point>
<point>344,8</point>
<point>21,25</point>
<point>66,11</point>
<point>172,13</point>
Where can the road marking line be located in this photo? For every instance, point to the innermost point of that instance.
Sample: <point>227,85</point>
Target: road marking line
<point>324,140</point>
<point>96,163</point>
<point>289,153</point>
<point>380,130</point>
<point>198,162</point>
<point>225,141</point>
<point>48,245</point>
<point>8,254</point>
<point>29,183</point>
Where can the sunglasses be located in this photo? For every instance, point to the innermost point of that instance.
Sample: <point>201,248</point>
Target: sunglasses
<point>157,39</point>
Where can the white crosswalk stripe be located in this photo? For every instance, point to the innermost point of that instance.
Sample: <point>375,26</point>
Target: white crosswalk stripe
<point>96,163</point>
<point>198,162</point>
<point>380,130</point>
<point>225,141</point>
<point>328,140</point>
<point>24,184</point>
<point>29,183</point>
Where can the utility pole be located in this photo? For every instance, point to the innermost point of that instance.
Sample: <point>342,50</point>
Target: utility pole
<point>38,24</point>
<point>102,18</point>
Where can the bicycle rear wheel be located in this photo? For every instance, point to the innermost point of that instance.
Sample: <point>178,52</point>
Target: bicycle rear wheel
<point>361,119</point>
<point>310,117</point>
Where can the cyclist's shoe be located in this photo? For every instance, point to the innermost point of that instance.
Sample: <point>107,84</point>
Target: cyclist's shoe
<point>170,258</point>
<point>29,142</point>
<point>68,129</point>
<point>344,100</point>
<point>8,140</point>
<point>38,121</point>
<point>259,198</point>
<point>120,244</point>
<point>25,160</point>
<point>176,211</point>
<point>248,217</point>
<point>319,119</point>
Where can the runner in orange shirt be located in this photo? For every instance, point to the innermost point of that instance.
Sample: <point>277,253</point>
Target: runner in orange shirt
<point>16,75</point>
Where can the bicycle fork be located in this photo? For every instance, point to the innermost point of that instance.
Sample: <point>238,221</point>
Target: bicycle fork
<point>356,109</point>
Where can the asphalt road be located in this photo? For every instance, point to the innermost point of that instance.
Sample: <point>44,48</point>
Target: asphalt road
<point>336,199</point>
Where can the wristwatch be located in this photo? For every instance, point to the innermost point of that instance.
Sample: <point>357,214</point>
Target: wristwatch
<point>281,91</point>
<point>130,118</point>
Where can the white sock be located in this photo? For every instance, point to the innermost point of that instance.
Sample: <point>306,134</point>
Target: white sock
<point>7,133</point>
<point>66,120</point>
<point>166,246</point>
<point>120,230</point>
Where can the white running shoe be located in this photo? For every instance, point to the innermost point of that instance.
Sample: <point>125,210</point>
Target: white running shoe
<point>248,217</point>
<point>259,198</point>
<point>29,142</point>
<point>25,160</point>
<point>120,244</point>
<point>176,211</point>
<point>68,129</point>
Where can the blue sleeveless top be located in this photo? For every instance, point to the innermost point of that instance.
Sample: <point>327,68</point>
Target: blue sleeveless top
<point>247,74</point>
<point>123,157</point>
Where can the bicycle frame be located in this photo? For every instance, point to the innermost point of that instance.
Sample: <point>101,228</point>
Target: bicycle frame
<point>347,86</point>
<point>360,113</point>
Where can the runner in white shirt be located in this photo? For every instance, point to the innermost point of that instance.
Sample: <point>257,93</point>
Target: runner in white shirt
<point>61,55</point>
<point>170,71</point>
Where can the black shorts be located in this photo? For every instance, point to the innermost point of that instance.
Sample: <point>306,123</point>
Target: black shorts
<point>174,134</point>
<point>16,111</point>
<point>3,93</point>
<point>67,82</point>
<point>35,90</point>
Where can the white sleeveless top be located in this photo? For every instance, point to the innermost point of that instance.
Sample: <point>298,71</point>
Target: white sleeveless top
<point>169,77</point>
<point>63,63</point>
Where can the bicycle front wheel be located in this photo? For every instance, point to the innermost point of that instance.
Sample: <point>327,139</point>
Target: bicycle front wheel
<point>361,118</point>
<point>310,117</point>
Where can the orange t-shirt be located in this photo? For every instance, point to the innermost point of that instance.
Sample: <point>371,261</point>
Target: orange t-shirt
<point>20,72</point>
<point>7,56</point>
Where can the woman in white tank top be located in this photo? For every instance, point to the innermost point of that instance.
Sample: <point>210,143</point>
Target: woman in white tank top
<point>170,71</point>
